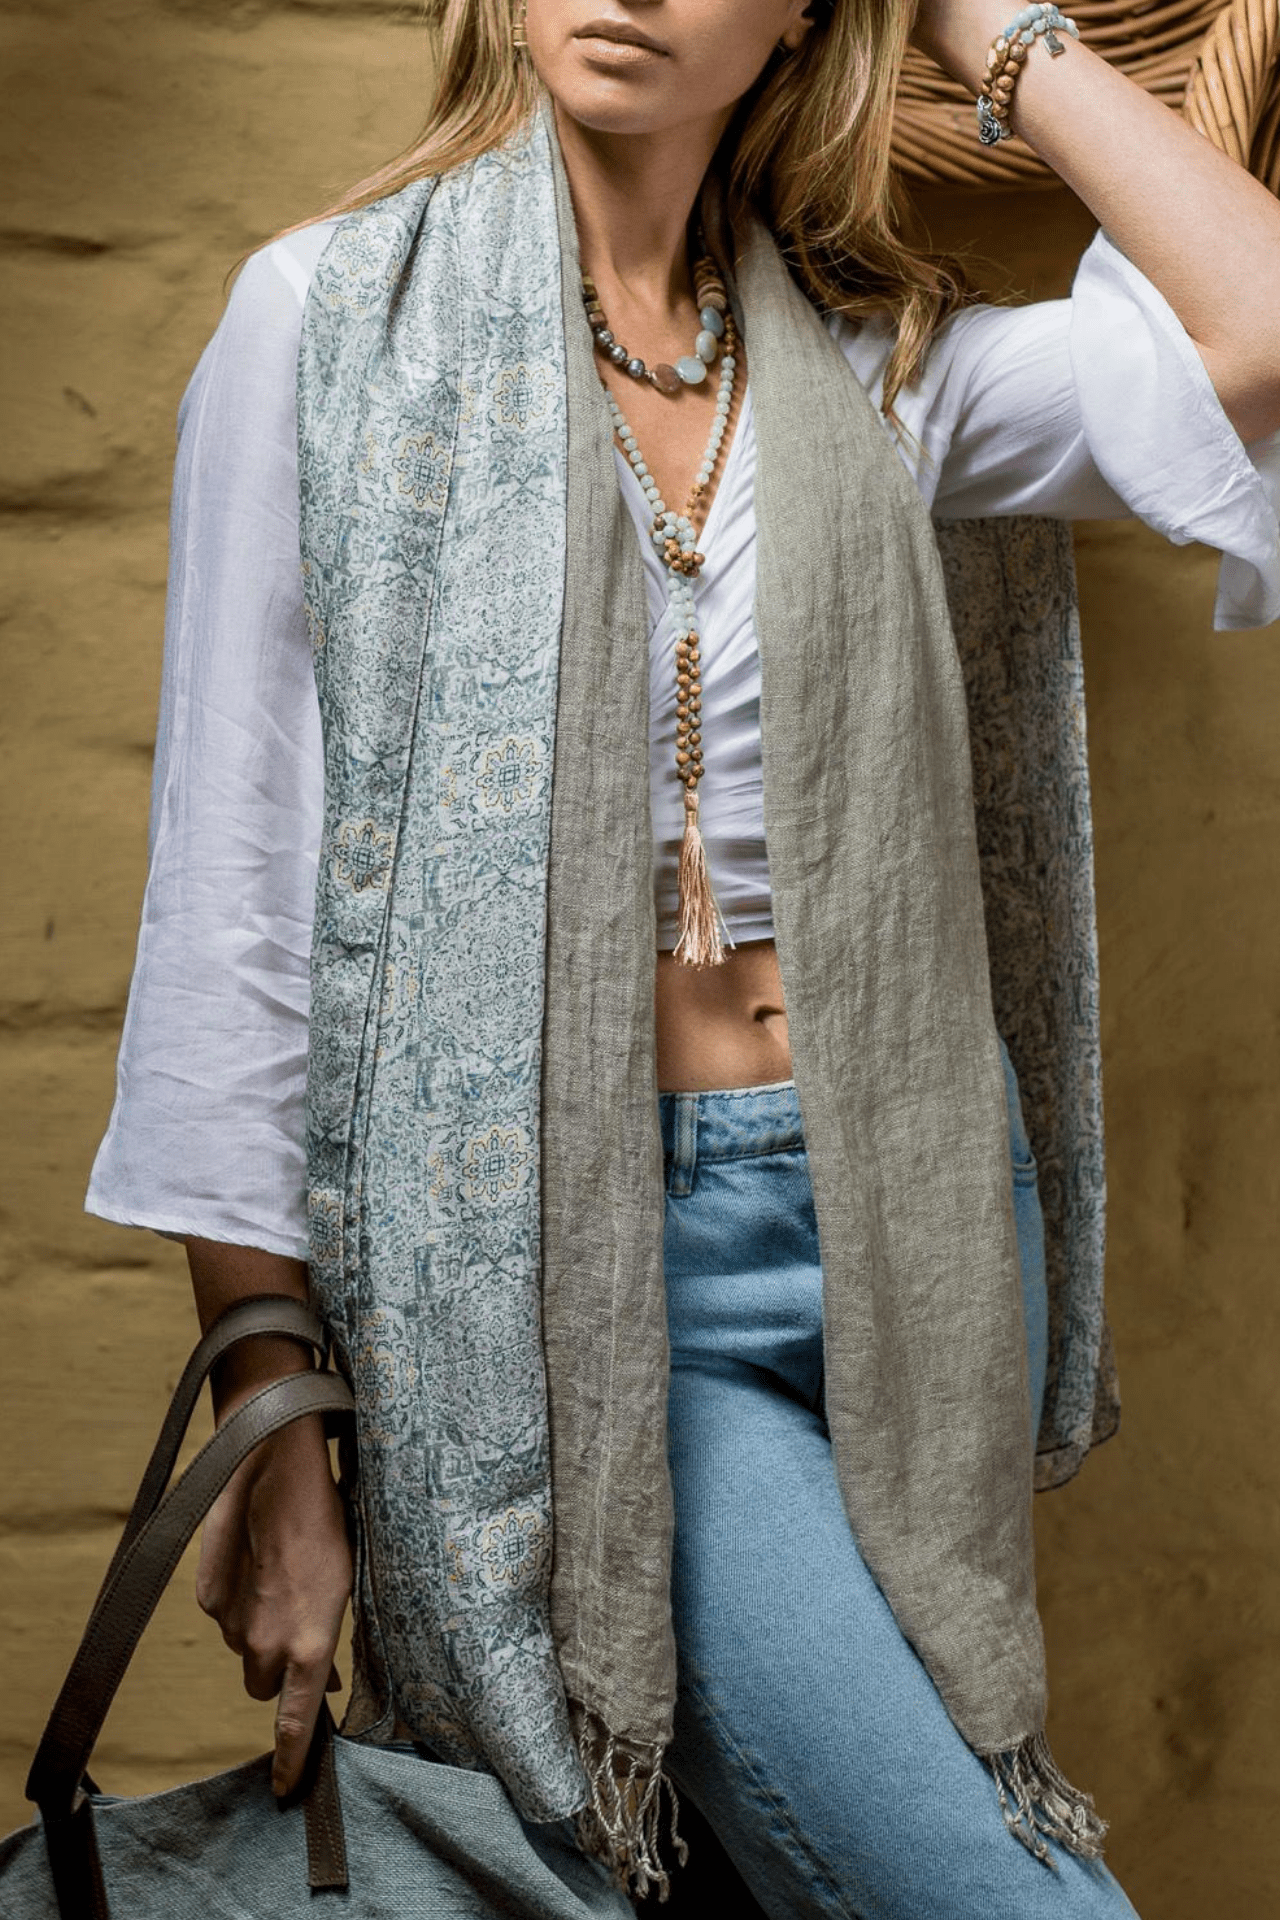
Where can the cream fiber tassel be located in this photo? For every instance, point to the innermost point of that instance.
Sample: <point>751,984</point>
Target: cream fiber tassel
<point>701,923</point>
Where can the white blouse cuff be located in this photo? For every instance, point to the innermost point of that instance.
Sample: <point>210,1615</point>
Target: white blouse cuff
<point>1179,463</point>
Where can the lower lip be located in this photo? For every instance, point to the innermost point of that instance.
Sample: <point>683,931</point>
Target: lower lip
<point>617,53</point>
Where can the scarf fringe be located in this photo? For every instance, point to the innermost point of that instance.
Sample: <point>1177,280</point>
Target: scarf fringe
<point>1039,1803</point>
<point>621,1824</point>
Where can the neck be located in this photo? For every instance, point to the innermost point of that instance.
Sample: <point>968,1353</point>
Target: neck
<point>633,196</point>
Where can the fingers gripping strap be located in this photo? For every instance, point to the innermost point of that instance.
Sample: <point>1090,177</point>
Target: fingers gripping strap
<point>145,1570</point>
<point>279,1314</point>
<point>157,1531</point>
<point>129,1598</point>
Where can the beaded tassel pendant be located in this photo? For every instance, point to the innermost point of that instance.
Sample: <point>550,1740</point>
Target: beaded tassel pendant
<point>702,929</point>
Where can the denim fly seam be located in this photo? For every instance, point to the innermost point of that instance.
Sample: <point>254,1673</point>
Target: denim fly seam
<point>726,1123</point>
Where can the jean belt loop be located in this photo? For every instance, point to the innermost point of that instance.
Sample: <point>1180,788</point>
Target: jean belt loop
<point>685,1151</point>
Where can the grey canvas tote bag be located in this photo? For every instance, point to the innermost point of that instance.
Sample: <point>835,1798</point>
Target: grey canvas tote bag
<point>373,1832</point>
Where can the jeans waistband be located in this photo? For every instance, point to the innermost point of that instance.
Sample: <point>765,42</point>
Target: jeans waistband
<point>728,1123</point>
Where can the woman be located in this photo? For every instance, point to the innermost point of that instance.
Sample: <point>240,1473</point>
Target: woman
<point>482,1179</point>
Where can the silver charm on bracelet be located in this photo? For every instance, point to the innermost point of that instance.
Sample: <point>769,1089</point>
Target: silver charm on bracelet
<point>989,128</point>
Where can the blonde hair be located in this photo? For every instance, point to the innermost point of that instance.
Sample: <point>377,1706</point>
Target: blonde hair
<point>807,149</point>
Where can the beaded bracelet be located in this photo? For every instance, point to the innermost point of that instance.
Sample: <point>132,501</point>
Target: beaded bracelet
<point>1004,64</point>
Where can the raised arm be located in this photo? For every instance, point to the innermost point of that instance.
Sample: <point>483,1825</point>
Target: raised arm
<point>1201,228</point>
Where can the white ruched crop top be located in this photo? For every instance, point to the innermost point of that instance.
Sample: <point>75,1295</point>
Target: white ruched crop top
<point>1090,407</point>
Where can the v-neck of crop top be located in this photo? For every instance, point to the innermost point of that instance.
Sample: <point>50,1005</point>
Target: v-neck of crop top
<point>731,793</point>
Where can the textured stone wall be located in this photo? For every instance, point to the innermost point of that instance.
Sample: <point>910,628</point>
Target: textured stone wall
<point>146,146</point>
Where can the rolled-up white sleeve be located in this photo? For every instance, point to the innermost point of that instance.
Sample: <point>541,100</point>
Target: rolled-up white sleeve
<point>206,1134</point>
<point>1160,438</point>
<point>1095,407</point>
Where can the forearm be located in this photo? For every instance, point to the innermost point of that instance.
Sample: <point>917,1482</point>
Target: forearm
<point>221,1276</point>
<point>275,1564</point>
<point>1198,226</point>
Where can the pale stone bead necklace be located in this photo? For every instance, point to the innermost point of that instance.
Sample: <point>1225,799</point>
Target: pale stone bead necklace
<point>702,929</point>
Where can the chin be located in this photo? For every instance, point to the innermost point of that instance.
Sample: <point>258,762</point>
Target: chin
<point>609,103</point>
<point>611,116</point>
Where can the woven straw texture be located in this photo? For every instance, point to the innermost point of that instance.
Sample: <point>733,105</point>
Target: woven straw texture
<point>1221,65</point>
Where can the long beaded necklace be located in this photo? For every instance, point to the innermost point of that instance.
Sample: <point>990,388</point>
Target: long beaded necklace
<point>702,929</point>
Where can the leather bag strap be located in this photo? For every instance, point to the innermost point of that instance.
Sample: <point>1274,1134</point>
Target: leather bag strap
<point>156,1535</point>
<point>280,1314</point>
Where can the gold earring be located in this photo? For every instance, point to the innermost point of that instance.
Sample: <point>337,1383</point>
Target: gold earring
<point>518,39</point>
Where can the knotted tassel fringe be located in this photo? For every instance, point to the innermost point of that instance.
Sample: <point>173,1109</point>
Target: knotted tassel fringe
<point>621,1824</point>
<point>702,928</point>
<point>1038,1803</point>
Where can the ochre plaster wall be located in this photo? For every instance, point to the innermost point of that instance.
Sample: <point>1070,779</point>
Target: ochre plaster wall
<point>148,144</point>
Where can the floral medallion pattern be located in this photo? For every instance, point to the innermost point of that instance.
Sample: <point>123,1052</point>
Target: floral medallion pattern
<point>521,395</point>
<point>361,855</point>
<point>422,468</point>
<point>427,967</point>
<point>500,1554</point>
<point>508,774</point>
<point>496,1163</point>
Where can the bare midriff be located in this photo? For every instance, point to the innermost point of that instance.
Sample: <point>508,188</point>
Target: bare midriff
<point>723,1026</point>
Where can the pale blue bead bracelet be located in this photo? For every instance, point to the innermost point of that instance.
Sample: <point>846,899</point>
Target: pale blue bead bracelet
<point>1022,31</point>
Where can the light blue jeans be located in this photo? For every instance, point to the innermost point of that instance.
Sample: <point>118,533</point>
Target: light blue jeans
<point>807,1731</point>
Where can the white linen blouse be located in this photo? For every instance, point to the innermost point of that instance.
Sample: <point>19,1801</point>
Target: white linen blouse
<point>1092,407</point>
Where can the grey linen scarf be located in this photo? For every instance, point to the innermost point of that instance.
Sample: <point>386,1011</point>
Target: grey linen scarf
<point>484,1156</point>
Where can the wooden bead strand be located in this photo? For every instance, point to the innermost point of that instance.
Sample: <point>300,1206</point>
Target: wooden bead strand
<point>1005,61</point>
<point>702,929</point>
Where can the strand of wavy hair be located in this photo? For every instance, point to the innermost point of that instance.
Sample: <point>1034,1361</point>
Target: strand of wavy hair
<point>808,149</point>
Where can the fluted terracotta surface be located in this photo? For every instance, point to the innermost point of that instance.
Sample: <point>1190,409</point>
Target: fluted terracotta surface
<point>145,145</point>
